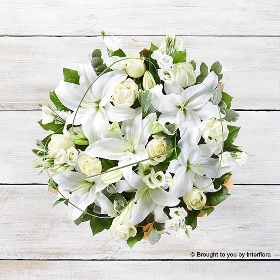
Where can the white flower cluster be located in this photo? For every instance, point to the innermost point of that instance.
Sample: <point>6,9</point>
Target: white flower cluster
<point>134,146</point>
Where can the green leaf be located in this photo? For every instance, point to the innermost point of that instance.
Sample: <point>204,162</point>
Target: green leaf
<point>227,99</point>
<point>203,69</point>
<point>172,127</point>
<point>154,237</point>
<point>231,148</point>
<point>80,139</point>
<point>58,201</point>
<point>233,132</point>
<point>179,56</point>
<point>159,226</point>
<point>101,69</point>
<point>39,153</point>
<point>207,211</point>
<point>191,219</point>
<point>107,164</point>
<point>145,99</point>
<point>216,67</point>
<point>96,53</point>
<point>131,241</point>
<point>153,48</point>
<point>71,76</point>
<point>119,53</point>
<point>119,203</point>
<point>96,62</point>
<point>99,224</point>
<point>57,103</point>
<point>157,127</point>
<point>231,116</point>
<point>111,189</point>
<point>57,128</point>
<point>215,198</point>
<point>83,218</point>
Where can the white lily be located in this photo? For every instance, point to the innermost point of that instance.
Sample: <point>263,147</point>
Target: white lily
<point>128,149</point>
<point>193,168</point>
<point>147,200</point>
<point>95,110</point>
<point>188,107</point>
<point>81,193</point>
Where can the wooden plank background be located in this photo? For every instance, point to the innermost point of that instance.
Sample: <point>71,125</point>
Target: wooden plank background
<point>39,38</point>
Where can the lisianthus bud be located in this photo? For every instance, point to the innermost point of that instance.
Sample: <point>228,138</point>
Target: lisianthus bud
<point>111,176</point>
<point>47,115</point>
<point>148,81</point>
<point>135,66</point>
<point>112,43</point>
<point>80,139</point>
<point>195,199</point>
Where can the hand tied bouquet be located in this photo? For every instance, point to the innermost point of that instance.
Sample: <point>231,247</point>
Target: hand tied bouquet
<point>141,144</point>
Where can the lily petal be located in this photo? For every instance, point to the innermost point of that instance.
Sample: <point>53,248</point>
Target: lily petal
<point>105,204</point>
<point>87,75</point>
<point>205,184</point>
<point>159,215</point>
<point>163,198</point>
<point>120,113</point>
<point>208,111</point>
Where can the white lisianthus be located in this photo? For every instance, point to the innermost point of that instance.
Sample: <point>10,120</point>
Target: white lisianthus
<point>156,54</point>
<point>72,156</point>
<point>121,227</point>
<point>184,74</point>
<point>172,225</point>
<point>113,43</point>
<point>64,114</point>
<point>154,179</point>
<point>47,115</point>
<point>135,66</point>
<point>167,75</point>
<point>148,81</point>
<point>125,93</point>
<point>116,63</point>
<point>89,165</point>
<point>59,141</point>
<point>178,213</point>
<point>157,151</point>
<point>195,199</point>
<point>60,157</point>
<point>226,159</point>
<point>165,61</point>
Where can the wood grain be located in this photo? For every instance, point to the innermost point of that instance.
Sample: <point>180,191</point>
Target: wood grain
<point>33,17</point>
<point>32,230</point>
<point>31,67</point>
<point>88,270</point>
<point>259,135</point>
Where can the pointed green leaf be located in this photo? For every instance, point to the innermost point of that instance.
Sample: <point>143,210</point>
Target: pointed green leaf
<point>203,69</point>
<point>231,116</point>
<point>179,56</point>
<point>156,127</point>
<point>153,48</point>
<point>154,237</point>
<point>227,99</point>
<point>233,132</point>
<point>216,67</point>
<point>207,211</point>
<point>119,53</point>
<point>99,224</point>
<point>215,198</point>
<point>57,103</point>
<point>71,76</point>
<point>191,219</point>
<point>119,203</point>
<point>57,128</point>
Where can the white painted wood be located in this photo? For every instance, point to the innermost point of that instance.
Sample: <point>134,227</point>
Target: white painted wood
<point>259,134</point>
<point>31,67</point>
<point>253,17</point>
<point>246,222</point>
<point>168,270</point>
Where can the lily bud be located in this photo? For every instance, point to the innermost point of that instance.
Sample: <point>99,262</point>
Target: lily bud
<point>148,81</point>
<point>81,140</point>
<point>112,176</point>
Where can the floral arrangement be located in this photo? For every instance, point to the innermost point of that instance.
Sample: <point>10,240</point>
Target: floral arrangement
<point>142,144</point>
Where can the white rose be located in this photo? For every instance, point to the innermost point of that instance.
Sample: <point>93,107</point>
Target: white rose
<point>125,93</point>
<point>47,115</point>
<point>72,156</point>
<point>59,141</point>
<point>167,75</point>
<point>135,66</point>
<point>165,61</point>
<point>178,213</point>
<point>116,63</point>
<point>60,157</point>
<point>195,199</point>
<point>113,43</point>
<point>89,165</point>
<point>184,74</point>
<point>157,151</point>
<point>214,129</point>
<point>121,227</point>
